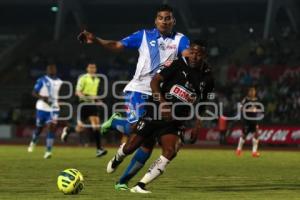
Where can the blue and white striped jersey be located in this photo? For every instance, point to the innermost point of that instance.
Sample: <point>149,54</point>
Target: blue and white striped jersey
<point>154,50</point>
<point>48,87</point>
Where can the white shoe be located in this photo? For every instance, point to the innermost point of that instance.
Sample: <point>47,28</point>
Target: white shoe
<point>109,168</point>
<point>31,147</point>
<point>138,189</point>
<point>47,155</point>
<point>64,134</point>
<point>112,165</point>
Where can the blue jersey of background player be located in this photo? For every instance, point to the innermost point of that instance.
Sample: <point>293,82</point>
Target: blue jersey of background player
<point>46,90</point>
<point>155,46</point>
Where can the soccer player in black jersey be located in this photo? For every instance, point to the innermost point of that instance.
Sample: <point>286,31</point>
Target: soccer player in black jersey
<point>176,89</point>
<point>250,106</point>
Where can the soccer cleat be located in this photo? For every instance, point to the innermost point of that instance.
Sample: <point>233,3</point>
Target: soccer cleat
<point>255,154</point>
<point>238,152</point>
<point>121,187</point>
<point>101,152</point>
<point>31,147</point>
<point>105,127</point>
<point>112,165</point>
<point>64,134</point>
<point>47,155</point>
<point>138,189</point>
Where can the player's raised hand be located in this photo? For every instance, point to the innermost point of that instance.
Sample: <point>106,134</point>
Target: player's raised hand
<point>86,37</point>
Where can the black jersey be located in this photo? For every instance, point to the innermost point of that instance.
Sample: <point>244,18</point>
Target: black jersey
<point>251,107</point>
<point>187,85</point>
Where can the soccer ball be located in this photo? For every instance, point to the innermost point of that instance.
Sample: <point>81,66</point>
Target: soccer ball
<point>70,181</point>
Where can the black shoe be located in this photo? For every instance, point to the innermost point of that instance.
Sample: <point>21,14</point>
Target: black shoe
<point>101,152</point>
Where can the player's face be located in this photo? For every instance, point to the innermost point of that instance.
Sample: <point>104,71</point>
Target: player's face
<point>252,92</point>
<point>91,69</point>
<point>196,56</point>
<point>51,70</point>
<point>165,22</point>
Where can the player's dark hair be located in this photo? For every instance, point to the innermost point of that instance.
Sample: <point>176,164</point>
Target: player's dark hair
<point>165,7</point>
<point>200,43</point>
<point>91,62</point>
<point>252,86</point>
<point>49,64</point>
<point>50,61</point>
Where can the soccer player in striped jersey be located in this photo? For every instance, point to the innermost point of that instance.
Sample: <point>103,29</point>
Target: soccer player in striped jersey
<point>156,47</point>
<point>46,90</point>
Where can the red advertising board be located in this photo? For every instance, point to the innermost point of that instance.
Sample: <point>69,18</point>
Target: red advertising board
<point>270,135</point>
<point>267,135</point>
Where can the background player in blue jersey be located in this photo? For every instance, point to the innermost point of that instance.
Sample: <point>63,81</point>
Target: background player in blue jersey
<point>156,47</point>
<point>46,90</point>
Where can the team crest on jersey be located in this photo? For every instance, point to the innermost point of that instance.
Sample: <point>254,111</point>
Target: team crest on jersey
<point>183,94</point>
<point>162,46</point>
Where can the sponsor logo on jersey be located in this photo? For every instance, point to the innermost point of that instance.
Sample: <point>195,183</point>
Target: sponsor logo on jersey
<point>182,93</point>
<point>152,43</point>
<point>164,47</point>
<point>173,46</point>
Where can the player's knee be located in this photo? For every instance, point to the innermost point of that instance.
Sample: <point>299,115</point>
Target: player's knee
<point>79,128</point>
<point>95,127</point>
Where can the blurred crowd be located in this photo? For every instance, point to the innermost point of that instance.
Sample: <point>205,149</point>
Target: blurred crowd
<point>281,98</point>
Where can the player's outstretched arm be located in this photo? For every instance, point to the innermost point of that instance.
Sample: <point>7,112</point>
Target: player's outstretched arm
<point>89,38</point>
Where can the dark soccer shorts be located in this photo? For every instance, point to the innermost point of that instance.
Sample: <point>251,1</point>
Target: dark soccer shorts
<point>249,127</point>
<point>88,110</point>
<point>156,128</point>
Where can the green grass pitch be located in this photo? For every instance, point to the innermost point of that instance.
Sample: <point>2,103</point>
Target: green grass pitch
<point>194,174</point>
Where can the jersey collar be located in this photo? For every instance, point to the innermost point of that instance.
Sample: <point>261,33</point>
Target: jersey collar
<point>158,35</point>
<point>51,77</point>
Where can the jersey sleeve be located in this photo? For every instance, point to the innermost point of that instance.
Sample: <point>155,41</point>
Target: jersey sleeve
<point>184,43</point>
<point>134,40</point>
<point>38,85</point>
<point>80,84</point>
<point>210,86</point>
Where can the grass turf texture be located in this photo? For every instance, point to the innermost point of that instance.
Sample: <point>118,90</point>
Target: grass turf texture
<point>194,174</point>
